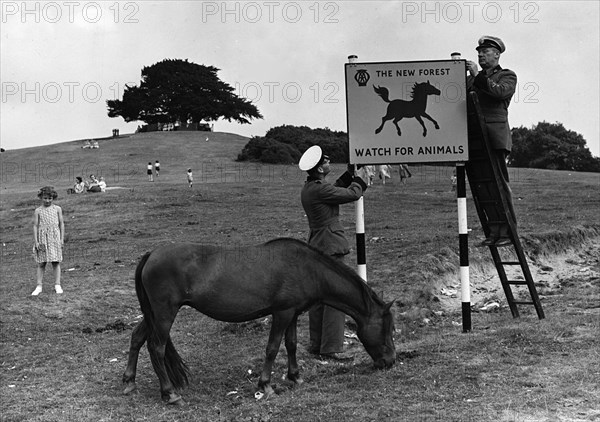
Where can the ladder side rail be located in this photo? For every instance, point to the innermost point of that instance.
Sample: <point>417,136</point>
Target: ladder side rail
<point>479,208</point>
<point>529,278</point>
<point>510,299</point>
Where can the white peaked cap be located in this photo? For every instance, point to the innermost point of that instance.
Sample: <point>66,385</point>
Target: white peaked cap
<point>310,158</point>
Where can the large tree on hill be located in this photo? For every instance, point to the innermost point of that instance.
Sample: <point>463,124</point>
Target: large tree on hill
<point>551,146</point>
<point>178,90</point>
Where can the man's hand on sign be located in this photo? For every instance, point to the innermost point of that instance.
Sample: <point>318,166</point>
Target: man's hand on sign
<point>472,68</point>
<point>350,168</point>
<point>362,173</point>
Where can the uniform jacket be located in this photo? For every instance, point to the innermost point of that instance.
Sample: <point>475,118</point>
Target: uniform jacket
<point>321,201</point>
<point>495,92</point>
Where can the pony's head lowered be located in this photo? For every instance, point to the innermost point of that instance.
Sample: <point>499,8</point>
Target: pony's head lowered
<point>376,327</point>
<point>376,335</point>
<point>375,320</point>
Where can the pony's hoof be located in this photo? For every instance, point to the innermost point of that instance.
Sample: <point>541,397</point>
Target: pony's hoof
<point>176,400</point>
<point>129,388</point>
<point>298,382</point>
<point>267,392</point>
<point>295,378</point>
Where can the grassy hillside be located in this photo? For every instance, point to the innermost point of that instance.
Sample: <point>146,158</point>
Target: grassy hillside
<point>122,161</point>
<point>63,356</point>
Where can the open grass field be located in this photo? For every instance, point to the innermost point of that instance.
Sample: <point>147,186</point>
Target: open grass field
<point>62,356</point>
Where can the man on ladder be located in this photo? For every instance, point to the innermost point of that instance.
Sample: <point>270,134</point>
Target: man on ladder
<point>494,87</point>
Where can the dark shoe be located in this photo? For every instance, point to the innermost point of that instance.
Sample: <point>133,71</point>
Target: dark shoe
<point>503,241</point>
<point>490,241</point>
<point>339,356</point>
<point>314,351</point>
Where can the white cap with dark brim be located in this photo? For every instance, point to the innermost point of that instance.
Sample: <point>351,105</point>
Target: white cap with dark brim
<point>311,158</point>
<point>488,41</point>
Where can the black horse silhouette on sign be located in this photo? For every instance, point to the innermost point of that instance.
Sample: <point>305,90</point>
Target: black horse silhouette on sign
<point>397,109</point>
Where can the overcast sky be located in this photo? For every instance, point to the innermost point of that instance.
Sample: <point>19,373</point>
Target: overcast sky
<point>61,61</point>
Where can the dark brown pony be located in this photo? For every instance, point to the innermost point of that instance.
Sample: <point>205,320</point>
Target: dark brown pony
<point>283,278</point>
<point>398,109</point>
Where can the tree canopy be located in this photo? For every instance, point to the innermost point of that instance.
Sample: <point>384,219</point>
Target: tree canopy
<point>551,146</point>
<point>545,145</point>
<point>178,90</point>
<point>285,145</point>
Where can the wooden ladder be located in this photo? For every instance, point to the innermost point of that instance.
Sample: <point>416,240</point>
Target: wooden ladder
<point>492,208</point>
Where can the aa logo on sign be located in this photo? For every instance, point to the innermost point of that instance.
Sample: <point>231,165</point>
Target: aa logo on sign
<point>362,77</point>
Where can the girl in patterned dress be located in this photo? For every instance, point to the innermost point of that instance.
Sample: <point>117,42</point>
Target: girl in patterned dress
<point>48,236</point>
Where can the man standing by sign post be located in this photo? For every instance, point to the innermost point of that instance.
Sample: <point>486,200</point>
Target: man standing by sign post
<point>495,87</point>
<point>321,202</point>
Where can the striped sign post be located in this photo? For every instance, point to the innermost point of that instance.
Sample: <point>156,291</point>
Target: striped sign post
<point>361,247</point>
<point>463,247</point>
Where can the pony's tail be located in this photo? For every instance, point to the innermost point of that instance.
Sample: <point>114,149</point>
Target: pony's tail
<point>382,92</point>
<point>176,368</point>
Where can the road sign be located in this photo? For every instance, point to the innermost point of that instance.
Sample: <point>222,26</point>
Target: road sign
<point>407,112</point>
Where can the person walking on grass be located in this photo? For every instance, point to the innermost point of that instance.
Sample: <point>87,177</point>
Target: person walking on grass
<point>48,237</point>
<point>150,171</point>
<point>404,173</point>
<point>190,178</point>
<point>157,169</point>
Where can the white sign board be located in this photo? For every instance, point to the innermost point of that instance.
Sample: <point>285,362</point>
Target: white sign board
<point>407,112</point>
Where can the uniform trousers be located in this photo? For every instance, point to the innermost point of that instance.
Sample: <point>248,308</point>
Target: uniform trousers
<point>326,327</point>
<point>482,170</point>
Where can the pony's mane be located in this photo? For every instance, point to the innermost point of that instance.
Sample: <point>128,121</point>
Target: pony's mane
<point>415,88</point>
<point>339,267</point>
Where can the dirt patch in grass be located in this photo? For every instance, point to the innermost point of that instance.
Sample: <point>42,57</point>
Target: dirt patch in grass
<point>550,272</point>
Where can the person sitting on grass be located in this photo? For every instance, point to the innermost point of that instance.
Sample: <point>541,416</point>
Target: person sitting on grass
<point>79,185</point>
<point>91,182</point>
<point>96,185</point>
<point>102,184</point>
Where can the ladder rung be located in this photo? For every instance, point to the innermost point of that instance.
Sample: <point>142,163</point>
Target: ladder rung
<point>523,303</point>
<point>517,282</point>
<point>497,222</point>
<point>510,263</point>
<point>489,201</point>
